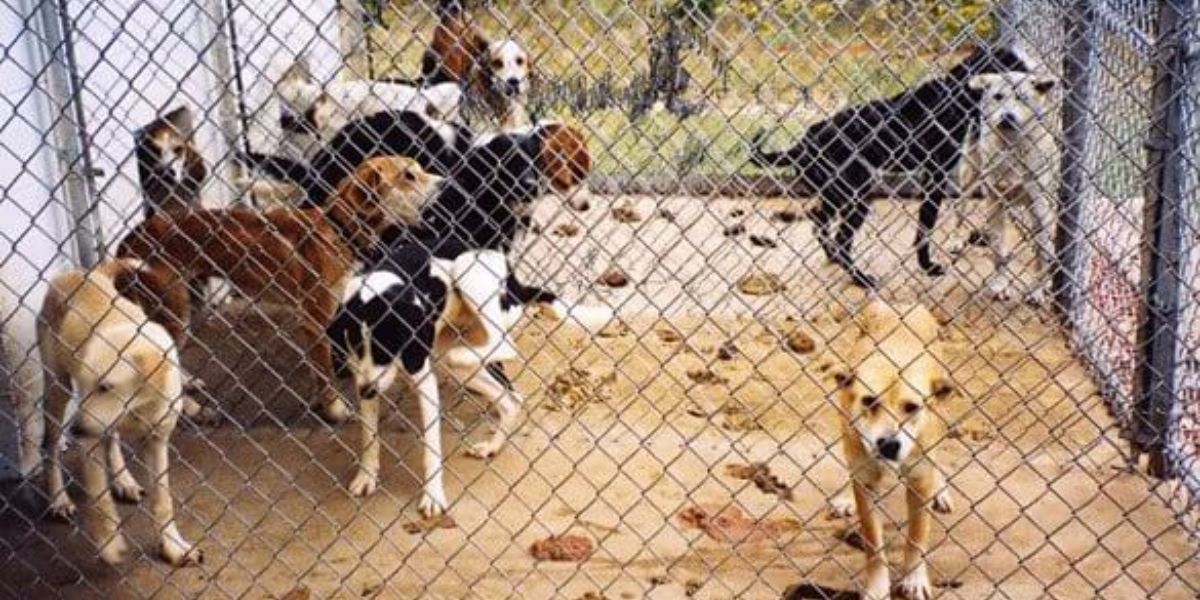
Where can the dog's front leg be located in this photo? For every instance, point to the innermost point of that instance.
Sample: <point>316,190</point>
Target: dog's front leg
<point>1043,235</point>
<point>927,217</point>
<point>125,486</point>
<point>318,311</point>
<point>100,516</point>
<point>878,583</point>
<point>433,500</point>
<point>367,479</point>
<point>1001,282</point>
<point>920,492</point>
<point>173,547</point>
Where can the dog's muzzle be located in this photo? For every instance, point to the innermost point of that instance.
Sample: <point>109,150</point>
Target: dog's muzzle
<point>511,87</point>
<point>888,447</point>
<point>1008,123</point>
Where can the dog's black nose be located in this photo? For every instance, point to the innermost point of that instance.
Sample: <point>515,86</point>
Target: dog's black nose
<point>888,448</point>
<point>368,391</point>
<point>512,85</point>
<point>1008,122</point>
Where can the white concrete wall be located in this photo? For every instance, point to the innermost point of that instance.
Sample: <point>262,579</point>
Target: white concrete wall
<point>33,226</point>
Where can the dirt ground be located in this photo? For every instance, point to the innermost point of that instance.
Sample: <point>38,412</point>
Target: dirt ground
<point>626,435</point>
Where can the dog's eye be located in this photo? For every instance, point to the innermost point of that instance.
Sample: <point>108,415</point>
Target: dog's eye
<point>998,96</point>
<point>870,401</point>
<point>104,387</point>
<point>496,64</point>
<point>520,61</point>
<point>408,176</point>
<point>911,408</point>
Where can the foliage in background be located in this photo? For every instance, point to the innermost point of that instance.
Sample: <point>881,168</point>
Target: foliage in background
<point>748,64</point>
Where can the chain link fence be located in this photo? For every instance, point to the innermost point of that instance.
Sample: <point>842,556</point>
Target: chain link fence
<point>681,190</point>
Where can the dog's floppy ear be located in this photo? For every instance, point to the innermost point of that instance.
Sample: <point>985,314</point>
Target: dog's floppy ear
<point>563,159</point>
<point>181,119</point>
<point>1043,84</point>
<point>942,387</point>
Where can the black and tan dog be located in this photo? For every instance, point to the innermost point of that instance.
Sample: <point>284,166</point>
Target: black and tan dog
<point>922,129</point>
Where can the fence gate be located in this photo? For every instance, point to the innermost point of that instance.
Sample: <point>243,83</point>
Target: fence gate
<point>600,299</point>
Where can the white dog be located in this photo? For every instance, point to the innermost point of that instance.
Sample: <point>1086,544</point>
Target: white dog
<point>312,112</point>
<point>1014,165</point>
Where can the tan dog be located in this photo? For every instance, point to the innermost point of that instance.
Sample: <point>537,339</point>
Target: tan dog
<point>885,397</point>
<point>125,370</point>
<point>294,257</point>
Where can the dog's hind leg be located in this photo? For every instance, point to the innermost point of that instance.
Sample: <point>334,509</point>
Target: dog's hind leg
<point>124,485</point>
<point>927,217</point>
<point>822,219</point>
<point>57,401</point>
<point>492,383</point>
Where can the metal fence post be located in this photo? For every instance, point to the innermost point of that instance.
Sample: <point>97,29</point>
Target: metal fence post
<point>1078,68</point>
<point>72,142</point>
<point>1162,253</point>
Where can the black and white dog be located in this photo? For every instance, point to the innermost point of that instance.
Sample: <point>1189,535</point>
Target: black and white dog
<point>416,309</point>
<point>438,146</point>
<point>922,129</point>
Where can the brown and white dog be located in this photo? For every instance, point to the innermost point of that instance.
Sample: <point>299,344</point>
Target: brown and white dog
<point>886,399</point>
<point>300,258</point>
<point>170,169</point>
<point>125,370</point>
<point>496,75</point>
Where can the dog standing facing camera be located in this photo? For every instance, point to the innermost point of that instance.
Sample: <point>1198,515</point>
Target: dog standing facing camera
<point>125,371</point>
<point>886,398</point>
<point>1014,164</point>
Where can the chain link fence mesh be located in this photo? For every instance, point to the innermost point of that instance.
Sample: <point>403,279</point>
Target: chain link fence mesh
<point>689,448</point>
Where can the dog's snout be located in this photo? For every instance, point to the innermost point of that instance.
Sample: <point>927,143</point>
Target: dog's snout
<point>368,390</point>
<point>1009,122</point>
<point>512,85</point>
<point>888,447</point>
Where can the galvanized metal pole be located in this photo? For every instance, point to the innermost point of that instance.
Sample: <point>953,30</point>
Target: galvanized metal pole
<point>1078,68</point>
<point>1162,252</point>
<point>213,27</point>
<point>71,140</point>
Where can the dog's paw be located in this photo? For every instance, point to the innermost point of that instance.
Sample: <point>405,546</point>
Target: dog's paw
<point>61,508</point>
<point>915,585</point>
<point>485,450</point>
<point>840,507</point>
<point>943,502</point>
<point>1000,291</point>
<point>364,484</point>
<point>432,506</point>
<point>335,410</point>
<point>1039,297</point>
<point>178,552</point>
<point>879,586</point>
<point>113,551</point>
<point>934,269</point>
<point>126,489</point>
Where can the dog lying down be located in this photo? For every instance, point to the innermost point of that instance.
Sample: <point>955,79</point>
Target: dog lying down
<point>455,307</point>
<point>125,370</point>
<point>886,396</point>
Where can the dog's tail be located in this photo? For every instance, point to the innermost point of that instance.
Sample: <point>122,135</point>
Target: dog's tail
<point>792,157</point>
